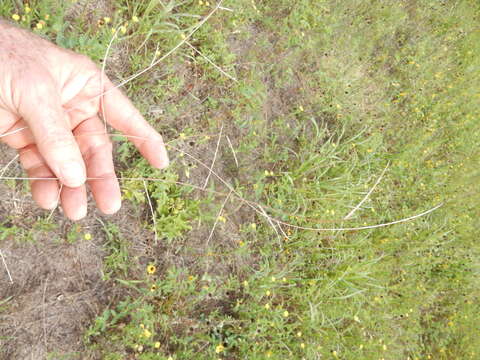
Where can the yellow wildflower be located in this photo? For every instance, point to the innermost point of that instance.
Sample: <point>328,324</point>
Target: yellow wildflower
<point>157,345</point>
<point>267,306</point>
<point>302,345</point>
<point>220,348</point>
<point>285,313</point>
<point>135,18</point>
<point>107,20</point>
<point>147,333</point>
<point>153,288</point>
<point>151,269</point>
<point>87,236</point>
<point>123,29</point>
<point>27,9</point>
<point>16,17</point>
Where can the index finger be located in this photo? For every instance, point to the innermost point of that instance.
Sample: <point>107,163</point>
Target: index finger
<point>125,117</point>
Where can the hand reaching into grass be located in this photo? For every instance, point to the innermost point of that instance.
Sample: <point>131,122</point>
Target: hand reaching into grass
<point>55,94</point>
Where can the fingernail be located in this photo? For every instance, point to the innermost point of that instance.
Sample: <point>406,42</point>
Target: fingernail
<point>164,162</point>
<point>113,207</point>
<point>52,205</point>
<point>79,213</point>
<point>73,174</point>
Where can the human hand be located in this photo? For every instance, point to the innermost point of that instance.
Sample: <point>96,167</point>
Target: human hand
<point>56,95</point>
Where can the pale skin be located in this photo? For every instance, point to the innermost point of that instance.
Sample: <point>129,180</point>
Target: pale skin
<point>54,93</point>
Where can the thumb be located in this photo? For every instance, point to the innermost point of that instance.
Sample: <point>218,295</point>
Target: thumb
<point>42,109</point>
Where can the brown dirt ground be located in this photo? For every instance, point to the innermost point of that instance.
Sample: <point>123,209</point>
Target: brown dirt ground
<point>57,286</point>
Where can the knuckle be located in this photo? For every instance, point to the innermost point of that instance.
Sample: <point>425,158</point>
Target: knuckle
<point>33,78</point>
<point>32,88</point>
<point>56,139</point>
<point>86,61</point>
<point>102,146</point>
<point>42,85</point>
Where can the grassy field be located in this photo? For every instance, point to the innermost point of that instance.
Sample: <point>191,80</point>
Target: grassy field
<point>306,109</point>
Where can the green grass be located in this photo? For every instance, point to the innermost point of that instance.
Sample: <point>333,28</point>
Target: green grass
<point>328,95</point>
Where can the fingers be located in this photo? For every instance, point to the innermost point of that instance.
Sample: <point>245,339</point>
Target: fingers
<point>123,116</point>
<point>17,136</point>
<point>44,192</point>
<point>41,108</point>
<point>74,202</point>
<point>97,152</point>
